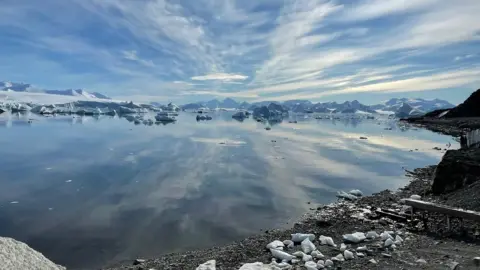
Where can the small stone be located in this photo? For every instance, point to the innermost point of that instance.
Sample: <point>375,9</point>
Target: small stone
<point>476,261</point>
<point>416,197</point>
<point>307,258</point>
<point>361,255</point>
<point>364,248</point>
<point>343,247</point>
<point>421,261</point>
<point>288,243</point>
<point>138,261</point>
<point>386,255</point>
<point>372,261</point>
<point>294,261</point>
<point>388,242</point>
<point>311,265</point>
<point>317,254</point>
<point>452,265</point>
<point>370,252</point>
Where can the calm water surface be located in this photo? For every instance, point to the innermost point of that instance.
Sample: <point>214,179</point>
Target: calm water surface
<point>88,192</point>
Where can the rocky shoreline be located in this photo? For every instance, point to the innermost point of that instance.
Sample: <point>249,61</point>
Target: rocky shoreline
<point>435,248</point>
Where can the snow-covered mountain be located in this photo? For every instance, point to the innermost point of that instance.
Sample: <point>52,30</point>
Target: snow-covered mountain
<point>24,87</point>
<point>419,104</point>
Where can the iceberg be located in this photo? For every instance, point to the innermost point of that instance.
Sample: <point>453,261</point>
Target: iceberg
<point>164,117</point>
<point>299,237</point>
<point>210,265</point>
<point>354,237</point>
<point>241,115</point>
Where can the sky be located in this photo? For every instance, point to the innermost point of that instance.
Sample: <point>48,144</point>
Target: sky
<point>185,51</point>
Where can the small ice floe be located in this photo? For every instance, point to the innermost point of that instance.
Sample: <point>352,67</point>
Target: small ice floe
<point>299,237</point>
<point>354,237</point>
<point>416,197</point>
<point>343,247</point>
<point>346,196</point>
<point>209,265</point>
<point>48,169</point>
<point>307,246</point>
<point>356,192</point>
<point>288,243</point>
<point>281,255</point>
<point>372,235</point>
<point>348,255</point>
<point>68,181</point>
<point>14,202</point>
<point>50,209</point>
<point>317,254</point>
<point>310,265</point>
<point>325,240</point>
<point>276,245</point>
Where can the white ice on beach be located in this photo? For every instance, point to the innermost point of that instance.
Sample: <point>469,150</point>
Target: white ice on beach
<point>299,237</point>
<point>307,246</point>
<point>209,265</point>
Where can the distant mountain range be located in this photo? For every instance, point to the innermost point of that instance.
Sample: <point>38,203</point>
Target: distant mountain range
<point>24,87</point>
<point>402,107</point>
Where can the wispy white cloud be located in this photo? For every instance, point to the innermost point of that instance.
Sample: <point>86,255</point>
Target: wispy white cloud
<point>464,57</point>
<point>132,55</point>
<point>220,77</point>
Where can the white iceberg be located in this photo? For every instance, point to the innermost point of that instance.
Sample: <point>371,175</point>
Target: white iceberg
<point>164,117</point>
<point>325,240</point>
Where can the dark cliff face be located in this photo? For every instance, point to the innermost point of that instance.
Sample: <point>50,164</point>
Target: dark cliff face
<point>469,108</point>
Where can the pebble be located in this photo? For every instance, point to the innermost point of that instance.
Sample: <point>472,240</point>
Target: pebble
<point>364,248</point>
<point>288,243</point>
<point>328,263</point>
<point>294,261</point>
<point>452,265</point>
<point>476,261</point>
<point>373,261</point>
<point>307,258</point>
<point>361,255</point>
<point>140,261</point>
<point>416,197</point>
<point>422,261</point>
<point>343,247</point>
<point>386,255</point>
<point>388,242</point>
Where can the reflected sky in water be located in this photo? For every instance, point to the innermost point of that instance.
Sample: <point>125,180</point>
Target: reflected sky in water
<point>90,191</point>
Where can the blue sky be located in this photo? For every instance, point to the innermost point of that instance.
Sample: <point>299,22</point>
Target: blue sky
<point>182,51</point>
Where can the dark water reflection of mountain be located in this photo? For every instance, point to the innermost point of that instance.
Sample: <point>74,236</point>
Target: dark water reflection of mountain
<point>86,191</point>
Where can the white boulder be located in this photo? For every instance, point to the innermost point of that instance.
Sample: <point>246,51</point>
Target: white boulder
<point>329,263</point>
<point>311,265</point>
<point>348,255</point>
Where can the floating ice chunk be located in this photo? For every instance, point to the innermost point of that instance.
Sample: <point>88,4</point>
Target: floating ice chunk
<point>68,181</point>
<point>317,254</point>
<point>308,246</point>
<point>343,247</point>
<point>209,265</point>
<point>276,245</point>
<point>356,192</point>
<point>347,196</point>
<point>281,255</point>
<point>328,263</point>
<point>14,202</point>
<point>372,235</point>
<point>299,237</point>
<point>348,255</point>
<point>311,265</point>
<point>416,197</point>
<point>388,242</point>
<point>354,237</point>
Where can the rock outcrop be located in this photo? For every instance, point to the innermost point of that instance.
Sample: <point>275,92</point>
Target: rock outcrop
<point>458,168</point>
<point>17,255</point>
<point>469,108</point>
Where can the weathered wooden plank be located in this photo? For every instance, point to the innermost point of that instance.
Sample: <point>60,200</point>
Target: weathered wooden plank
<point>442,209</point>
